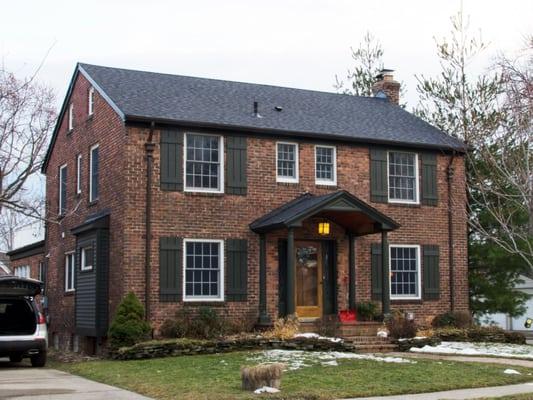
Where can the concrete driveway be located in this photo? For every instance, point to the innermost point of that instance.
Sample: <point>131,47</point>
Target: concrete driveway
<point>20,381</point>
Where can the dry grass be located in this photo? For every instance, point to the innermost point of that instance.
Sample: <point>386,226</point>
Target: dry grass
<point>284,328</point>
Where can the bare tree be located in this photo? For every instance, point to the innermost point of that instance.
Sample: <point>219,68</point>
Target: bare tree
<point>27,116</point>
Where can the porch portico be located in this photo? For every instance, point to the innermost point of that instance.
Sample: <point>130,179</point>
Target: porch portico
<point>340,208</point>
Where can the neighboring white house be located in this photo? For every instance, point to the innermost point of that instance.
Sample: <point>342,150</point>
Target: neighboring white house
<point>28,234</point>
<point>515,324</point>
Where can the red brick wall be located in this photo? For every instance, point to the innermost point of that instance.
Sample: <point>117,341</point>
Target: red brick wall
<point>33,261</point>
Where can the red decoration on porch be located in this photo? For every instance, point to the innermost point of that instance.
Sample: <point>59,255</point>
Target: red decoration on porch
<point>347,315</point>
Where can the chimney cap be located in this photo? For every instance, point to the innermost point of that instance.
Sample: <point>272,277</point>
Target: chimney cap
<point>385,72</point>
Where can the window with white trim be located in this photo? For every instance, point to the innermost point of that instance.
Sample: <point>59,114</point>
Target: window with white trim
<point>203,270</point>
<point>94,166</point>
<point>403,177</point>
<point>325,165</point>
<point>71,117</point>
<point>78,174</point>
<point>204,157</point>
<point>90,101</point>
<point>70,270</point>
<point>22,271</point>
<point>62,206</point>
<point>287,162</point>
<point>86,258</point>
<point>405,271</point>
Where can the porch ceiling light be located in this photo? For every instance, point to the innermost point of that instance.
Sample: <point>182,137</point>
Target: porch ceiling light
<point>528,323</point>
<point>323,228</point>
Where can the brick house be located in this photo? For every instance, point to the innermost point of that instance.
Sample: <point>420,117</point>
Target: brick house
<point>28,261</point>
<point>258,200</point>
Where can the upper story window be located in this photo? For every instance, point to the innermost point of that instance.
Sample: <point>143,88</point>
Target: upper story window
<point>94,166</point>
<point>86,258</point>
<point>204,270</point>
<point>71,117</point>
<point>325,165</point>
<point>90,111</point>
<point>204,157</point>
<point>403,177</point>
<point>23,271</point>
<point>62,206</point>
<point>287,162</point>
<point>70,270</point>
<point>78,174</point>
<point>405,271</point>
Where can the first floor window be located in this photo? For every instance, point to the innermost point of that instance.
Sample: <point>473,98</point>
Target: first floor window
<point>287,162</point>
<point>405,271</point>
<point>325,163</point>
<point>403,177</point>
<point>69,272</point>
<point>204,261</point>
<point>42,272</point>
<point>87,258</point>
<point>23,271</point>
<point>203,162</point>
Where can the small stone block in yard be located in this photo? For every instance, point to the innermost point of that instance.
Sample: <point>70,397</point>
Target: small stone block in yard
<point>262,375</point>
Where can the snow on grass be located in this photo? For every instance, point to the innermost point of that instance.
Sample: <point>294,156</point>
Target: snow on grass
<point>310,335</point>
<point>296,359</point>
<point>266,389</point>
<point>510,371</point>
<point>479,349</point>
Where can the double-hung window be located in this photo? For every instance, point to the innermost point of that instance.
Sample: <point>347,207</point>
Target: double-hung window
<point>86,258</point>
<point>22,271</point>
<point>286,162</point>
<point>204,270</point>
<point>90,99</point>
<point>204,159</point>
<point>78,174</point>
<point>403,177</point>
<point>405,271</point>
<point>94,166</point>
<point>62,190</point>
<point>325,165</point>
<point>70,268</point>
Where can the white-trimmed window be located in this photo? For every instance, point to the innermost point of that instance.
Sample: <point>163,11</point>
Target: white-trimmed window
<point>86,258</point>
<point>70,270</point>
<point>286,162</point>
<point>403,177</point>
<point>90,101</point>
<point>204,163</point>
<point>23,271</point>
<point>62,206</point>
<point>78,174</point>
<point>405,271</point>
<point>94,167</point>
<point>325,165</point>
<point>203,270</point>
<point>71,117</point>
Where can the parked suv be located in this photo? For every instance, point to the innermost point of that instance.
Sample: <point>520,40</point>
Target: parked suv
<point>23,330</point>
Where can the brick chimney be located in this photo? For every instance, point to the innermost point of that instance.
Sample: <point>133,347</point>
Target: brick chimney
<point>386,86</point>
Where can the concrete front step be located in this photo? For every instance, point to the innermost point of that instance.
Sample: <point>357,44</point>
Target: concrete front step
<point>375,348</point>
<point>366,339</point>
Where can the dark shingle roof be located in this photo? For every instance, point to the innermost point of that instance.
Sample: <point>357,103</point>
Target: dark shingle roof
<point>143,95</point>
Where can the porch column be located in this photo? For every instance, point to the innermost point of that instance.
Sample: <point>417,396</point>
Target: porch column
<point>385,290</point>
<point>291,304</point>
<point>264,319</point>
<point>351,272</point>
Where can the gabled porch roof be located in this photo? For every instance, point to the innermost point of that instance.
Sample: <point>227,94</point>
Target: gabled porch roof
<point>340,207</point>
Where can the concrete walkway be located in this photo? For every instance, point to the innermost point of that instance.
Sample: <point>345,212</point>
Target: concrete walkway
<point>490,392</point>
<point>488,360</point>
<point>21,382</point>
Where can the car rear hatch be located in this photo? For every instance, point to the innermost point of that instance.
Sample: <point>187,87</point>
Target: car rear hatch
<point>18,316</point>
<point>13,286</point>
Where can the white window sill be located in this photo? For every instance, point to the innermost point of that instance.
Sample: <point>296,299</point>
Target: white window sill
<point>405,298</point>
<point>392,201</point>
<point>199,190</point>
<point>203,299</point>
<point>286,180</point>
<point>326,183</point>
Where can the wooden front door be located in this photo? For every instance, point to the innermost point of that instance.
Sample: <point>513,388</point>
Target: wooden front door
<point>308,282</point>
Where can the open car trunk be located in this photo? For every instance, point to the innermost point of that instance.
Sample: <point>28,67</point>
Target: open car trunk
<point>14,286</point>
<point>17,314</point>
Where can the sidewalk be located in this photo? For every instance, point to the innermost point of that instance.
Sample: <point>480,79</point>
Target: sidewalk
<point>489,392</point>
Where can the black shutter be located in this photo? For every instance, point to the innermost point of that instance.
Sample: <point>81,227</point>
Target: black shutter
<point>429,179</point>
<point>376,272</point>
<point>171,153</point>
<point>170,269</point>
<point>378,175</point>
<point>282,277</point>
<point>431,274</point>
<point>237,269</point>
<point>236,162</point>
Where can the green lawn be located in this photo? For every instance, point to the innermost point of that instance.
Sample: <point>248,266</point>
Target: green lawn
<point>216,377</point>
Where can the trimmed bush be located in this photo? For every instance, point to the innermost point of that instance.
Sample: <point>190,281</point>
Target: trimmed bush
<point>128,326</point>
<point>400,327</point>
<point>479,334</point>
<point>407,344</point>
<point>366,311</point>
<point>454,319</point>
<point>206,324</point>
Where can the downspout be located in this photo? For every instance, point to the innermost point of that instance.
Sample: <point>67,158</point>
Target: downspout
<point>451,260</point>
<point>149,148</point>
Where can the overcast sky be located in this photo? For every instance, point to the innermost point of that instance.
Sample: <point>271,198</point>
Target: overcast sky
<point>299,44</point>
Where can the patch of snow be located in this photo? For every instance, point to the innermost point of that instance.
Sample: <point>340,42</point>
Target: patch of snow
<point>296,359</point>
<point>310,335</point>
<point>383,334</point>
<point>511,372</point>
<point>479,349</point>
<point>415,338</point>
<point>266,389</point>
